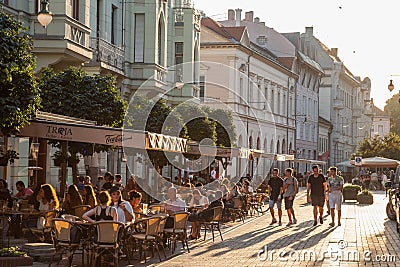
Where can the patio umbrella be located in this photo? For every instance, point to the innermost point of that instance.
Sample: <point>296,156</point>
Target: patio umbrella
<point>345,164</point>
<point>377,162</point>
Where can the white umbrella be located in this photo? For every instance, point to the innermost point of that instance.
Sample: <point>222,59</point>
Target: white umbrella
<point>377,162</point>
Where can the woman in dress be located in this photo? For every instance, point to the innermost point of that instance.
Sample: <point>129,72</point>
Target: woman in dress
<point>89,197</point>
<point>47,198</point>
<point>124,209</point>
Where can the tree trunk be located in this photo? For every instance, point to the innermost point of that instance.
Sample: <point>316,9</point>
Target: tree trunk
<point>64,148</point>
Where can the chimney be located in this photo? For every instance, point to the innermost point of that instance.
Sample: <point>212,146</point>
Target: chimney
<point>249,16</point>
<point>238,16</point>
<point>309,31</point>
<point>257,20</point>
<point>231,14</point>
<point>334,51</point>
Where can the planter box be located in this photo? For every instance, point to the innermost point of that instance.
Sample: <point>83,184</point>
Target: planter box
<point>349,195</point>
<point>16,261</point>
<point>365,199</point>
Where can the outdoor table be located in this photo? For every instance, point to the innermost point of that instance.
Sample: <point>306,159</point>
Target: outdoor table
<point>21,218</point>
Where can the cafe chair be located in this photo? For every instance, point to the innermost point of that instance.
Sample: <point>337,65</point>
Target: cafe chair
<point>80,210</point>
<point>44,226</point>
<point>214,223</point>
<point>160,233</point>
<point>179,231</point>
<point>62,240</point>
<point>238,209</point>
<point>109,235</point>
<point>149,238</point>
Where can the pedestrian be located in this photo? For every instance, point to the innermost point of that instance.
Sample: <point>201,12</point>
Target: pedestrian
<point>335,188</point>
<point>275,185</point>
<point>290,187</point>
<point>316,189</point>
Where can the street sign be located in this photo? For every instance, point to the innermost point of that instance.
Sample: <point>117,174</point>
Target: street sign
<point>358,161</point>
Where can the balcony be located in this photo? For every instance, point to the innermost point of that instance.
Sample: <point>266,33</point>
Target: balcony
<point>338,103</point>
<point>64,42</point>
<point>107,56</point>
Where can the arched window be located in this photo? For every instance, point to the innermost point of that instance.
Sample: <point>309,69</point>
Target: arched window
<point>160,41</point>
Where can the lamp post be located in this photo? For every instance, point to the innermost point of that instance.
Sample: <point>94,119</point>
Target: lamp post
<point>44,16</point>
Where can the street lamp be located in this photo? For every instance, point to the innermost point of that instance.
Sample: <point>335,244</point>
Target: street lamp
<point>44,16</point>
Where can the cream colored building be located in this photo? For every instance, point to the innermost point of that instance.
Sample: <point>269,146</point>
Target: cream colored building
<point>256,87</point>
<point>380,122</point>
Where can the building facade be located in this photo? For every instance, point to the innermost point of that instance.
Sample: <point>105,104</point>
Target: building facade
<point>256,87</point>
<point>380,122</point>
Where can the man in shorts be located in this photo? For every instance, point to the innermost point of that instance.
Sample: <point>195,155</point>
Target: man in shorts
<point>290,187</point>
<point>316,188</point>
<point>335,187</point>
<point>275,185</point>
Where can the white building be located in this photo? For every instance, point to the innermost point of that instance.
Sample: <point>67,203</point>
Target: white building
<point>380,122</point>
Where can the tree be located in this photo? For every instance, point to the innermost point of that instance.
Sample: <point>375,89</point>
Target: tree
<point>225,128</point>
<point>377,146</point>
<point>74,93</point>
<point>19,96</point>
<point>392,107</point>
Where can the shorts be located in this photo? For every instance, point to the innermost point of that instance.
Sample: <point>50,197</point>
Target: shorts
<point>318,200</point>
<point>278,204</point>
<point>335,199</point>
<point>289,203</point>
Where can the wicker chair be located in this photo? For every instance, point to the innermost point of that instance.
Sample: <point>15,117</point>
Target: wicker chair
<point>148,238</point>
<point>109,234</point>
<point>80,210</point>
<point>179,231</point>
<point>238,209</point>
<point>43,232</point>
<point>62,240</point>
<point>214,223</point>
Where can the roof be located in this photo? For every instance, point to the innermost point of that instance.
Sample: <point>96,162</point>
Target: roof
<point>232,33</point>
<point>378,112</point>
<point>310,62</point>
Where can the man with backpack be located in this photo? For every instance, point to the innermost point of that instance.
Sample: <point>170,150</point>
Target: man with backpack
<point>290,188</point>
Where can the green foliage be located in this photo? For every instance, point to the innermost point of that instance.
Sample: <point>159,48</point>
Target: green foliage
<point>365,192</point>
<point>12,252</point>
<point>19,96</point>
<point>224,126</point>
<point>377,146</point>
<point>9,155</point>
<point>351,187</point>
<point>392,107</point>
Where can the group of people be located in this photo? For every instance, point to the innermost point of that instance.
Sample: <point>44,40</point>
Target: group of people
<point>321,191</point>
<point>374,180</point>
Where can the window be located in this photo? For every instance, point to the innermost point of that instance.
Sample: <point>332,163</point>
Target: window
<point>178,60</point>
<point>159,42</point>
<point>139,38</point>
<point>113,23</point>
<point>202,87</point>
<point>241,90</point>
<point>380,129</point>
<point>75,9</point>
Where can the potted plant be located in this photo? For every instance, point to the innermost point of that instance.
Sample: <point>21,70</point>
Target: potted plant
<point>12,256</point>
<point>350,192</point>
<point>365,197</point>
<point>8,157</point>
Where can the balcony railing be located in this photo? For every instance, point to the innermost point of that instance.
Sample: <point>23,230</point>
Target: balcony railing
<point>108,53</point>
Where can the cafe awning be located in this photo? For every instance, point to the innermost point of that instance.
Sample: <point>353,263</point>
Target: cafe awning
<point>93,134</point>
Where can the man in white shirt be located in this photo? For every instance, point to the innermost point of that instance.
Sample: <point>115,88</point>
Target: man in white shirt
<point>173,205</point>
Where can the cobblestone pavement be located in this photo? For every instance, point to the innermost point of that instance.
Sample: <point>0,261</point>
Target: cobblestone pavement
<point>366,238</point>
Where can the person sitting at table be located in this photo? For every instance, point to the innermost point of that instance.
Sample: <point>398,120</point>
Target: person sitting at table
<point>47,198</point>
<point>5,194</point>
<point>72,199</point>
<point>246,188</point>
<point>23,192</point>
<point>205,215</point>
<point>134,199</point>
<point>198,200</point>
<point>89,197</point>
<point>102,212</point>
<point>124,208</point>
<point>173,205</point>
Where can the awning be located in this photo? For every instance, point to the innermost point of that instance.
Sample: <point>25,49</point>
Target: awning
<point>378,162</point>
<point>310,161</point>
<point>103,135</point>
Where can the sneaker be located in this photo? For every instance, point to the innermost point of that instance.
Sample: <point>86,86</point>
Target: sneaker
<point>273,221</point>
<point>315,223</point>
<point>289,224</point>
<point>332,224</point>
<point>294,221</point>
<point>339,224</point>
<point>328,212</point>
<point>321,220</point>
<point>280,223</point>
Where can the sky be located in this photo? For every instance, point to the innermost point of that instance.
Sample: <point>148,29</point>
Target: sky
<point>366,33</point>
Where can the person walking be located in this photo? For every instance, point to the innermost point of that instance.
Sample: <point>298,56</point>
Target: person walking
<point>316,188</point>
<point>275,185</point>
<point>335,188</point>
<point>290,188</point>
